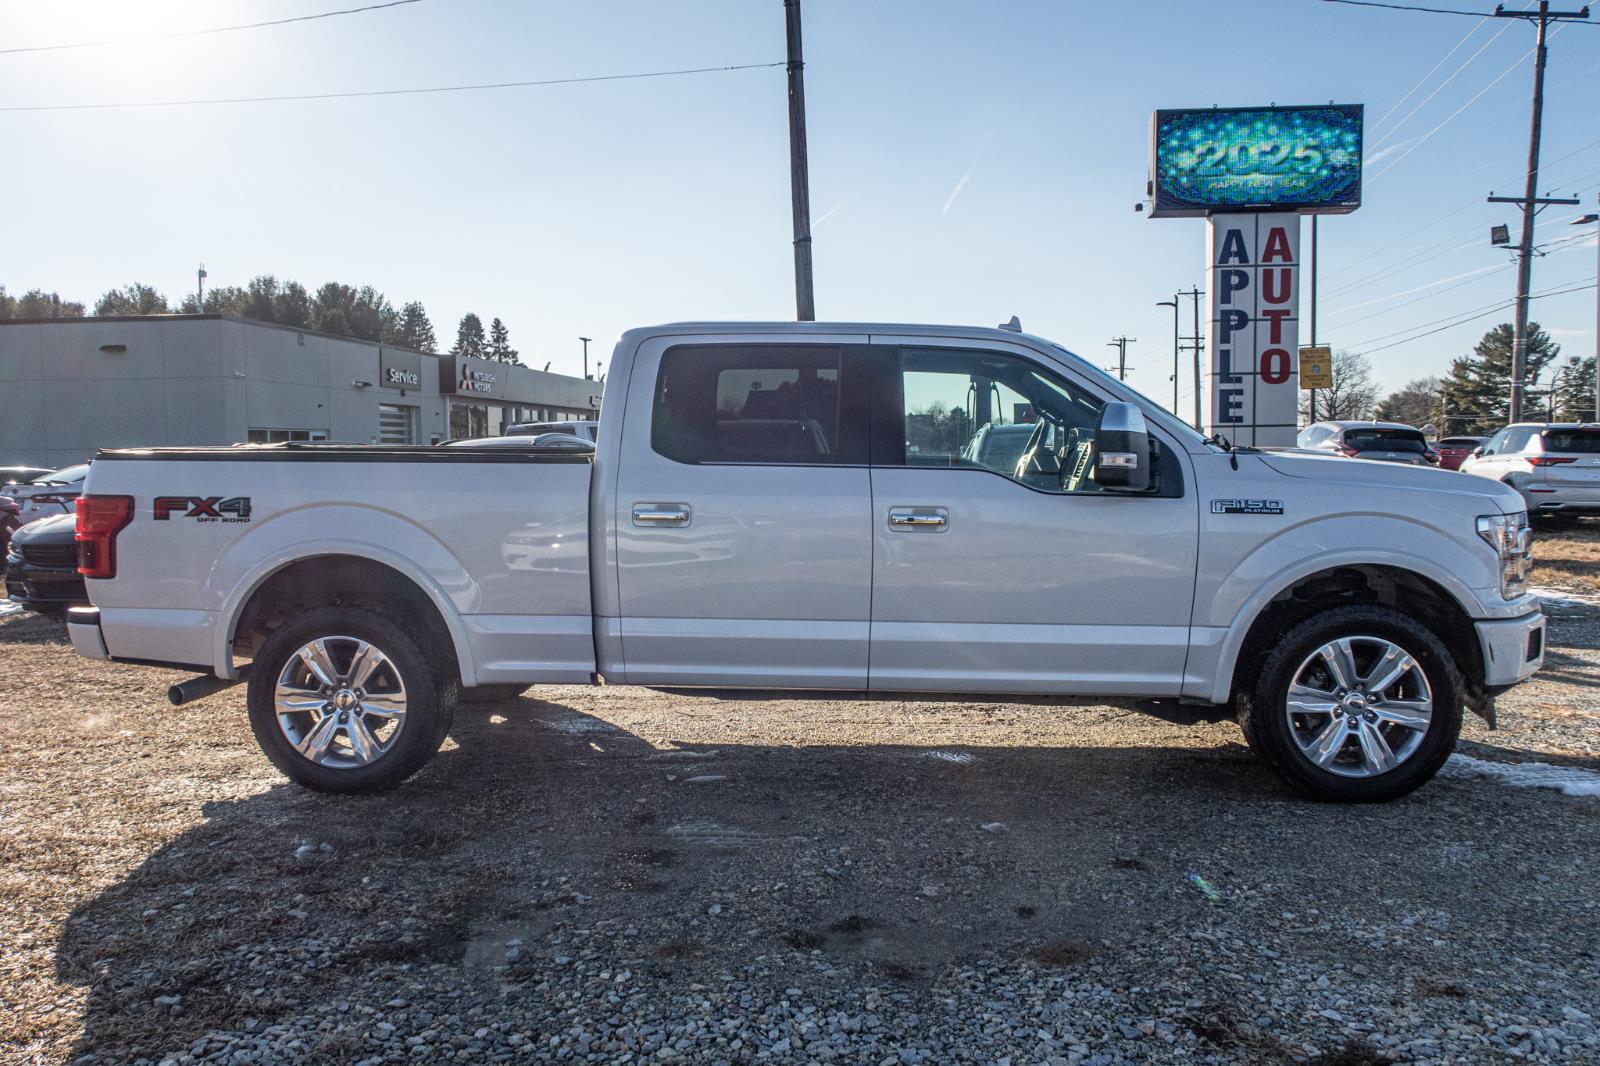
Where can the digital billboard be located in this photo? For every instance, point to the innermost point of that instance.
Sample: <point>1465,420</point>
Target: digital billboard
<point>1210,160</point>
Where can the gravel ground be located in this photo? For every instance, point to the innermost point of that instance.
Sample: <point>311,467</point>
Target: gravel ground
<point>617,875</point>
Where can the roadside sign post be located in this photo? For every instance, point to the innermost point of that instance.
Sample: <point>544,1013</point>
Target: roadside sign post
<point>1252,172</point>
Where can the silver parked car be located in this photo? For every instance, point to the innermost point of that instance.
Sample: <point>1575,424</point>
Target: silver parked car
<point>1389,442</point>
<point>1555,466</point>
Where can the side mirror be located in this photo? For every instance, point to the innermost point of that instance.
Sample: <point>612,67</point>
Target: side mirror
<point>1474,453</point>
<point>1122,451</point>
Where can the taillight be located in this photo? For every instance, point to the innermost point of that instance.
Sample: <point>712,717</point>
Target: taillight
<point>100,519</point>
<point>1345,449</point>
<point>1431,455</point>
<point>1550,460</point>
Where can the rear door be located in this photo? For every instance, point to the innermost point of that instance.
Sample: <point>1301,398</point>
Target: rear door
<point>743,542</point>
<point>1008,569</point>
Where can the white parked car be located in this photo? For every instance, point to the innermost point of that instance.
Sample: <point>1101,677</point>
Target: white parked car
<point>48,495</point>
<point>589,430</point>
<point>801,506</point>
<point>1555,466</point>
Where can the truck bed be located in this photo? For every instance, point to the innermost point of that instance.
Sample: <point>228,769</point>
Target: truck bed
<point>500,536</point>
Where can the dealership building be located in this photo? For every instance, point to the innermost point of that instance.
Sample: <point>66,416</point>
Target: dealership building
<point>71,386</point>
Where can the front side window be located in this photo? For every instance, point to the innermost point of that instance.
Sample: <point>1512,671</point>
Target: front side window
<point>998,413</point>
<point>774,404</point>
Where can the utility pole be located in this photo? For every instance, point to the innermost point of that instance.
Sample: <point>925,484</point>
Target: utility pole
<point>1586,220</point>
<point>200,290</point>
<point>799,169</point>
<point>1196,346</point>
<point>1173,303</point>
<point>1121,345</point>
<point>1530,200</point>
<point>585,341</point>
<point>1312,420</point>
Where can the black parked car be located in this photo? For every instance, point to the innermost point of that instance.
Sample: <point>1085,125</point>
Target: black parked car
<point>42,565</point>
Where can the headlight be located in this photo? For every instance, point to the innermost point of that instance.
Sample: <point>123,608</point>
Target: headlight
<point>1509,536</point>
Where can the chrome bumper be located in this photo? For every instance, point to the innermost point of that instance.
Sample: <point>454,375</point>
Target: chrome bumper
<point>1513,648</point>
<point>83,626</point>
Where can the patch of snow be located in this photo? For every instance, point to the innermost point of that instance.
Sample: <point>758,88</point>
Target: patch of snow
<point>1563,598</point>
<point>961,758</point>
<point>576,726</point>
<point>8,607</point>
<point>1567,779</point>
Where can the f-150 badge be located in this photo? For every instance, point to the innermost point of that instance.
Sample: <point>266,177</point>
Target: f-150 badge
<point>203,508</point>
<point>1246,506</point>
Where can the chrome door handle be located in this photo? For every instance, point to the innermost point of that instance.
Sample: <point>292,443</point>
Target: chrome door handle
<point>661,514</point>
<point>923,518</point>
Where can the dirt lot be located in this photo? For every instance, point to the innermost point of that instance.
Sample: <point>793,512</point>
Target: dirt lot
<point>619,875</point>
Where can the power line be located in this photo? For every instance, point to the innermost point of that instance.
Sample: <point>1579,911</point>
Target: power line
<point>1424,79</point>
<point>213,29</point>
<point>1413,9</point>
<point>1461,318</point>
<point>1473,58</point>
<point>392,92</point>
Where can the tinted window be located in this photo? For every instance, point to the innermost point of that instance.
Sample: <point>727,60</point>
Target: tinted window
<point>1460,442</point>
<point>1385,440</point>
<point>999,413</point>
<point>1586,441</point>
<point>759,404</point>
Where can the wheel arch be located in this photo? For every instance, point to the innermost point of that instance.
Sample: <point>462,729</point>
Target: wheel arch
<point>1405,589</point>
<point>336,575</point>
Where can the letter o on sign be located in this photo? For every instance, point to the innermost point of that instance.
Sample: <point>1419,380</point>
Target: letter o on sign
<point>1275,366</point>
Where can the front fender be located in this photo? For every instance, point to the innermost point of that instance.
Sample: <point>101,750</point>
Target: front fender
<point>1228,605</point>
<point>300,534</point>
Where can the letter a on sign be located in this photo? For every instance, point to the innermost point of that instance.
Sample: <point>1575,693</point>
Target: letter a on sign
<point>1277,249</point>
<point>1234,248</point>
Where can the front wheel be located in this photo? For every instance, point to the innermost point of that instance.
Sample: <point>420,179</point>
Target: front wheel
<point>344,700</point>
<point>1359,703</point>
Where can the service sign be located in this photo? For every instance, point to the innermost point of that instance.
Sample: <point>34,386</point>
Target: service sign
<point>1305,159</point>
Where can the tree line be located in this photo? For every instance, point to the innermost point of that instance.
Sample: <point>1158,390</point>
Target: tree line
<point>1474,396</point>
<point>343,310</point>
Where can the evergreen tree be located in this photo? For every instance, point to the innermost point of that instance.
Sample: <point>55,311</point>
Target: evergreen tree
<point>499,348</point>
<point>469,337</point>
<point>1477,392</point>
<point>1415,405</point>
<point>416,331</point>
<point>1353,395</point>
<point>261,299</point>
<point>1575,392</point>
<point>134,299</point>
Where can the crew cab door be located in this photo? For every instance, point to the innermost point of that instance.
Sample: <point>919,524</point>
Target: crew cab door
<point>999,564</point>
<point>742,513</point>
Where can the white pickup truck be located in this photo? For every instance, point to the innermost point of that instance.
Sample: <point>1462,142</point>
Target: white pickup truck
<point>879,508</point>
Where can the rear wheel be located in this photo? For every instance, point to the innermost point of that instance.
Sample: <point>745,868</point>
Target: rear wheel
<point>344,700</point>
<point>1358,703</point>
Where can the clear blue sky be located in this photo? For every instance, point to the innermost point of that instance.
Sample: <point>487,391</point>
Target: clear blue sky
<point>970,161</point>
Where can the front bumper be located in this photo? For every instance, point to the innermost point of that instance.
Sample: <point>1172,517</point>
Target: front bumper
<point>43,586</point>
<point>1513,648</point>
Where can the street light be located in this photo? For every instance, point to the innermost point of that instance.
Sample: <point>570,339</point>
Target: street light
<point>1586,220</point>
<point>1173,303</point>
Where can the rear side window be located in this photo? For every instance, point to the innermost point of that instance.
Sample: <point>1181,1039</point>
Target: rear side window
<point>776,404</point>
<point>1385,440</point>
<point>1584,441</point>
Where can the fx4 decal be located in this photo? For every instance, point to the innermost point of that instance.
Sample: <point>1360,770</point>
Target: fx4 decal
<point>203,508</point>
<point>1246,506</point>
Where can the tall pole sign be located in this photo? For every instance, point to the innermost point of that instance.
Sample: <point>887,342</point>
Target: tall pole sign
<point>1255,327</point>
<point>1252,172</point>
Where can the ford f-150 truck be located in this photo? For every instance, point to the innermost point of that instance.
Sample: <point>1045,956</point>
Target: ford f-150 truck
<point>802,507</point>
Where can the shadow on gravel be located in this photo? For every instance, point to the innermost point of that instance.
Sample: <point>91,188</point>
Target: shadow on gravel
<point>542,833</point>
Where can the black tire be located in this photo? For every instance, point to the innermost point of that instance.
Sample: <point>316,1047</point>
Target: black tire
<point>427,716</point>
<point>1268,731</point>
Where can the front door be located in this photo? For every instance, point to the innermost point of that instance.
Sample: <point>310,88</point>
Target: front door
<point>999,564</point>
<point>742,515</point>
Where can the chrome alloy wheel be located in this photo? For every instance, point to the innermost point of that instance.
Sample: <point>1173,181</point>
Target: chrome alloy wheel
<point>1359,706</point>
<point>340,702</point>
